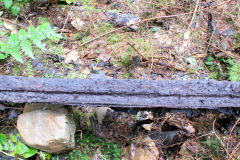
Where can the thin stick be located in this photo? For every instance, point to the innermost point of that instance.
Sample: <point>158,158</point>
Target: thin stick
<point>224,146</point>
<point>67,18</point>
<point>138,51</point>
<point>227,53</point>
<point>7,126</point>
<point>230,135</point>
<point>9,21</point>
<point>172,145</point>
<point>195,10</point>
<point>234,151</point>
<point>2,106</point>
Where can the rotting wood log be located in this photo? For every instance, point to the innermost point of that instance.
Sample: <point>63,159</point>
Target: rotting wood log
<point>121,93</point>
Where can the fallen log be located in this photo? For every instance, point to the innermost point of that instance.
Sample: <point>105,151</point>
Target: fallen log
<point>121,93</point>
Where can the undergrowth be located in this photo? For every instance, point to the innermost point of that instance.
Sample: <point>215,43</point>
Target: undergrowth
<point>14,5</point>
<point>12,146</point>
<point>23,41</point>
<point>90,145</point>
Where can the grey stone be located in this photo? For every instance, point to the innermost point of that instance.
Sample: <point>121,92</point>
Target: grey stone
<point>35,62</point>
<point>229,32</point>
<point>39,66</point>
<point>13,114</point>
<point>46,127</point>
<point>49,72</point>
<point>99,75</point>
<point>120,20</point>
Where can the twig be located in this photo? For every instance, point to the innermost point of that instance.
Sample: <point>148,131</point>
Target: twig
<point>146,58</point>
<point>234,151</point>
<point>7,126</point>
<point>223,144</point>
<point>230,135</point>
<point>146,20</point>
<point>67,18</point>
<point>9,155</point>
<point>92,20</point>
<point>91,40</point>
<point>9,21</point>
<point>172,145</point>
<point>227,53</point>
<point>172,66</point>
<point>150,59</point>
<point>2,106</point>
<point>194,14</point>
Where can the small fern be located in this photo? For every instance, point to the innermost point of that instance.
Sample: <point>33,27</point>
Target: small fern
<point>22,42</point>
<point>13,5</point>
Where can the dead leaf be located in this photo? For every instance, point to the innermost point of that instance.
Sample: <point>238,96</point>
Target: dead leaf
<point>72,56</point>
<point>10,27</point>
<point>92,55</point>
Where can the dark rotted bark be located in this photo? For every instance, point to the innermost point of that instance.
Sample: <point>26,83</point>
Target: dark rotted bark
<point>121,93</point>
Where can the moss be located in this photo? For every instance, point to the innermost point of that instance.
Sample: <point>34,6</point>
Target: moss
<point>214,75</point>
<point>90,144</point>
<point>113,38</point>
<point>105,27</point>
<point>234,72</point>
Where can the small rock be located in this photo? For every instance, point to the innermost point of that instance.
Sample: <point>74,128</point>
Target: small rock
<point>136,61</point>
<point>146,150</point>
<point>104,57</point>
<point>49,72</point>
<point>2,107</point>
<point>120,20</point>
<point>189,148</point>
<point>35,62</point>
<point>101,113</point>
<point>192,61</point>
<point>179,120</point>
<point>147,127</point>
<point>187,35</point>
<point>47,129</point>
<point>229,32</point>
<point>225,45</point>
<point>39,66</point>
<point>92,55</point>
<point>13,114</point>
<point>72,56</point>
<point>170,137</point>
<point>146,118</point>
<point>78,8</point>
<point>156,29</point>
<point>78,24</point>
<point>145,115</point>
<point>99,75</point>
<point>163,39</point>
